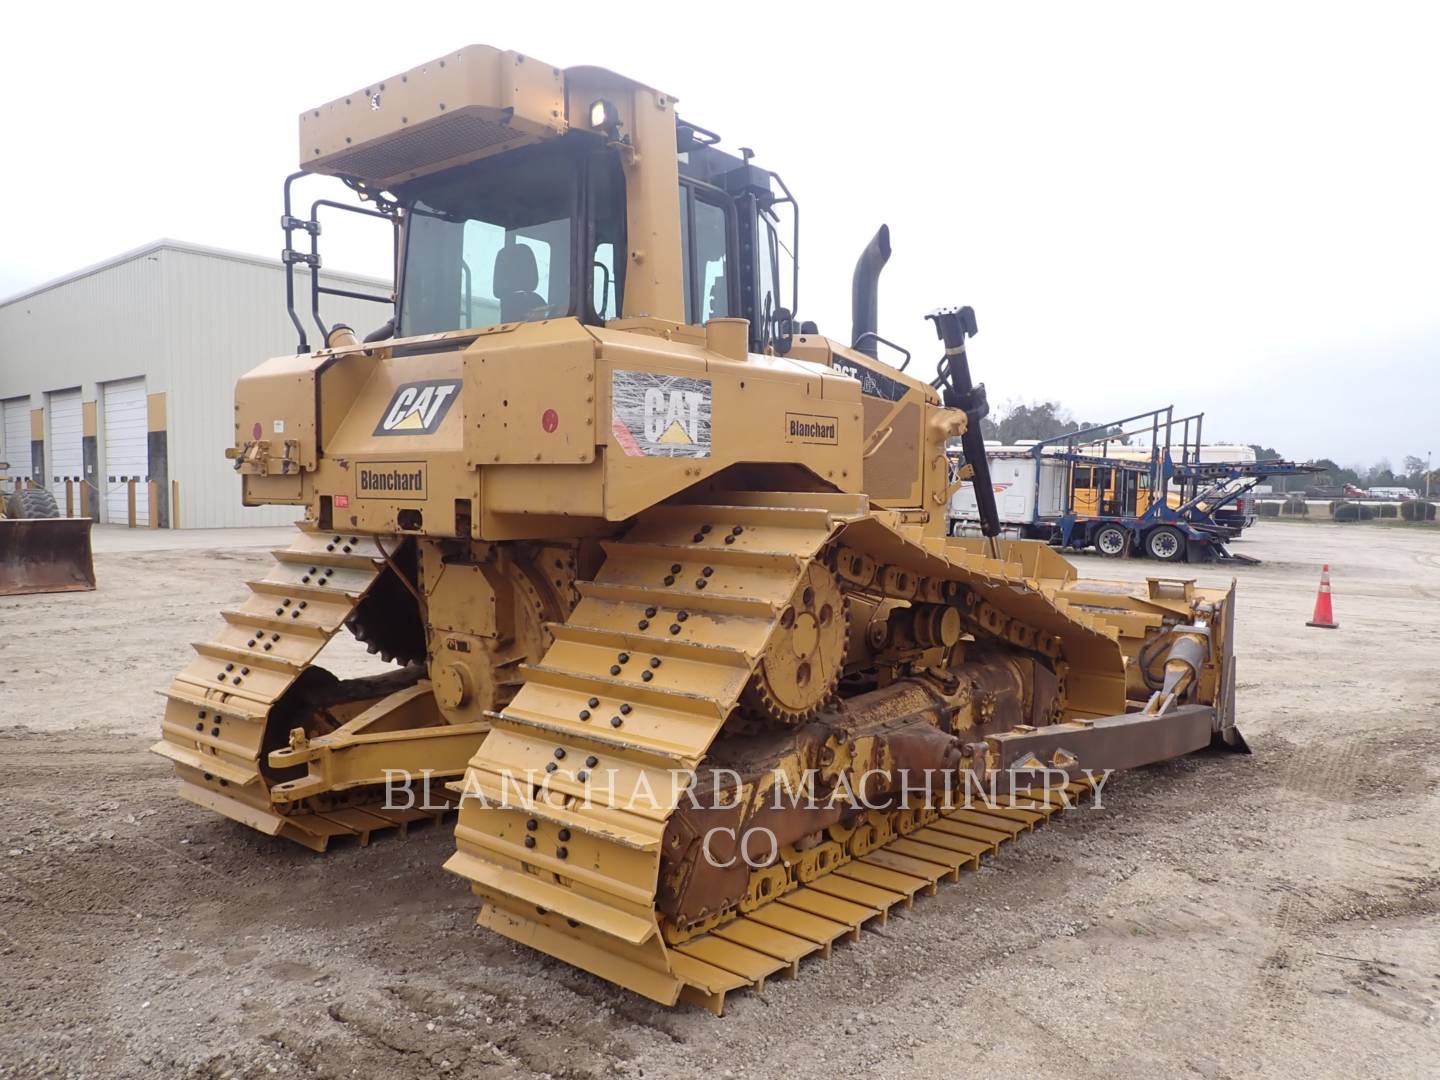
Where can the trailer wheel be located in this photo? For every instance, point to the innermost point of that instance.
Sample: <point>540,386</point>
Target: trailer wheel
<point>1165,544</point>
<point>1110,541</point>
<point>31,503</point>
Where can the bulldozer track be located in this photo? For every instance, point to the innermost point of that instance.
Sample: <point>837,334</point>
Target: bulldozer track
<point>639,681</point>
<point>773,939</point>
<point>218,708</point>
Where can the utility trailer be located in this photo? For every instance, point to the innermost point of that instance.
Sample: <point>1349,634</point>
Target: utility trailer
<point>1166,498</point>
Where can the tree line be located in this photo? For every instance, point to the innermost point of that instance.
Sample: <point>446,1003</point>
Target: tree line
<point>1411,474</point>
<point>1041,420</point>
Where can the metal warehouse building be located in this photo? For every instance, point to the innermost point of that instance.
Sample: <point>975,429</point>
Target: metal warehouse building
<point>125,372</point>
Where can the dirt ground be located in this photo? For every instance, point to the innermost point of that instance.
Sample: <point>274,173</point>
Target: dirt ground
<point>1222,916</point>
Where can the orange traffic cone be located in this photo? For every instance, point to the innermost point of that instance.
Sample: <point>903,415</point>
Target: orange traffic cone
<point>1324,616</point>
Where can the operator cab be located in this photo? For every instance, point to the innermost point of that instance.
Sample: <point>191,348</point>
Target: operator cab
<point>539,233</point>
<point>523,236</point>
<point>730,229</point>
<point>512,203</point>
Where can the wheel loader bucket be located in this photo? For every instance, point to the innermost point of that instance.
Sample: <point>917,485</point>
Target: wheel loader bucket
<point>40,555</point>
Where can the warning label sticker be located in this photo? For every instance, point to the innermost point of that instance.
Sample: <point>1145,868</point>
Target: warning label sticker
<point>660,415</point>
<point>872,382</point>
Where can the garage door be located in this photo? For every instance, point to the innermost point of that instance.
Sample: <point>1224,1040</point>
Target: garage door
<point>65,460</point>
<point>15,440</point>
<point>127,453</point>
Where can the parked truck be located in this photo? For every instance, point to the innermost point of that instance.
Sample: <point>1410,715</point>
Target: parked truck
<point>1166,494</point>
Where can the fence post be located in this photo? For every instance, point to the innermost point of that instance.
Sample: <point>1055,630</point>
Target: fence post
<point>130,500</point>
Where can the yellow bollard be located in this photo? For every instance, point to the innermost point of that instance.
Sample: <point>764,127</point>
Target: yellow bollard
<point>130,499</point>
<point>174,504</point>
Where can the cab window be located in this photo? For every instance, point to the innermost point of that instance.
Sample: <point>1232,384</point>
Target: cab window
<point>607,215</point>
<point>531,234</point>
<point>704,237</point>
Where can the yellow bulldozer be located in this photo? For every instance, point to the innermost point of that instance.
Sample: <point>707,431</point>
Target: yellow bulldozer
<point>659,573</point>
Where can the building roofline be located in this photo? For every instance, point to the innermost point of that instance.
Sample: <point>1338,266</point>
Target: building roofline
<point>167,244</point>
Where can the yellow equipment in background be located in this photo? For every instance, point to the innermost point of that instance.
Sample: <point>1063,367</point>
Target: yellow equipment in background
<point>40,551</point>
<point>618,518</point>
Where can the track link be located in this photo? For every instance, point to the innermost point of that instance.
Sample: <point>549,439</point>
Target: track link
<point>772,940</point>
<point>218,708</point>
<point>636,686</point>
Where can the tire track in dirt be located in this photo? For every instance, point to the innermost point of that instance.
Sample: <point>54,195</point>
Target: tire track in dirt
<point>1220,864</point>
<point>1361,873</point>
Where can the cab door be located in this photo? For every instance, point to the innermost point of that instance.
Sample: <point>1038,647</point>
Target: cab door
<point>1112,496</point>
<point>1085,496</point>
<point>1142,494</point>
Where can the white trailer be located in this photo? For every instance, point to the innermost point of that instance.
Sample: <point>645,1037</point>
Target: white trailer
<point>1029,494</point>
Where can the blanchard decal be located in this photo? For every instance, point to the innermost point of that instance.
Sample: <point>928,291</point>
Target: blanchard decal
<point>660,415</point>
<point>418,407</point>
<point>390,480</point>
<point>808,428</point>
<point>871,382</point>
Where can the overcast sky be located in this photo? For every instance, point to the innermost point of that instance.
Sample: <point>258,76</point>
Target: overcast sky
<point>1232,208</point>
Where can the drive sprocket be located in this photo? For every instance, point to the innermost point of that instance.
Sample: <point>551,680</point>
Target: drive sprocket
<point>387,620</point>
<point>804,658</point>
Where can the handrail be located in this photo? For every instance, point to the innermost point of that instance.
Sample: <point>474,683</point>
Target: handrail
<point>290,256</point>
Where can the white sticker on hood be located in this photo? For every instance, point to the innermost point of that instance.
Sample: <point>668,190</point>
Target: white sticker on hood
<point>660,415</point>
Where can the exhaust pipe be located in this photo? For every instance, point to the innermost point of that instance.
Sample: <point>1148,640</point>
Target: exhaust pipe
<point>865,292</point>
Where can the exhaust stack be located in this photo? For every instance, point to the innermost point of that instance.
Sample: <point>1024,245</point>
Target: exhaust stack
<point>865,291</point>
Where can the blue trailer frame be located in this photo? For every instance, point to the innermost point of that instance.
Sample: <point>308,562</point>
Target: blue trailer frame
<point>1193,532</point>
<point>1188,531</point>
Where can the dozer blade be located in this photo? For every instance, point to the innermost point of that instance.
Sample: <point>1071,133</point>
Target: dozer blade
<point>42,555</point>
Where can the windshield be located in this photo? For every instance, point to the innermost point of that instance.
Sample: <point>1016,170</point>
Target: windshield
<point>495,241</point>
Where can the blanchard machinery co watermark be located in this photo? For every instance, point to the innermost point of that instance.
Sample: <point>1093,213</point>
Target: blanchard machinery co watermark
<point>726,790</point>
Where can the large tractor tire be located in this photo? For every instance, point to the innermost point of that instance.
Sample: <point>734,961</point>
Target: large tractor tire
<point>31,503</point>
<point>1166,543</point>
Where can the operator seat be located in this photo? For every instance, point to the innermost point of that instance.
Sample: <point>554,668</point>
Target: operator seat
<point>515,279</point>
